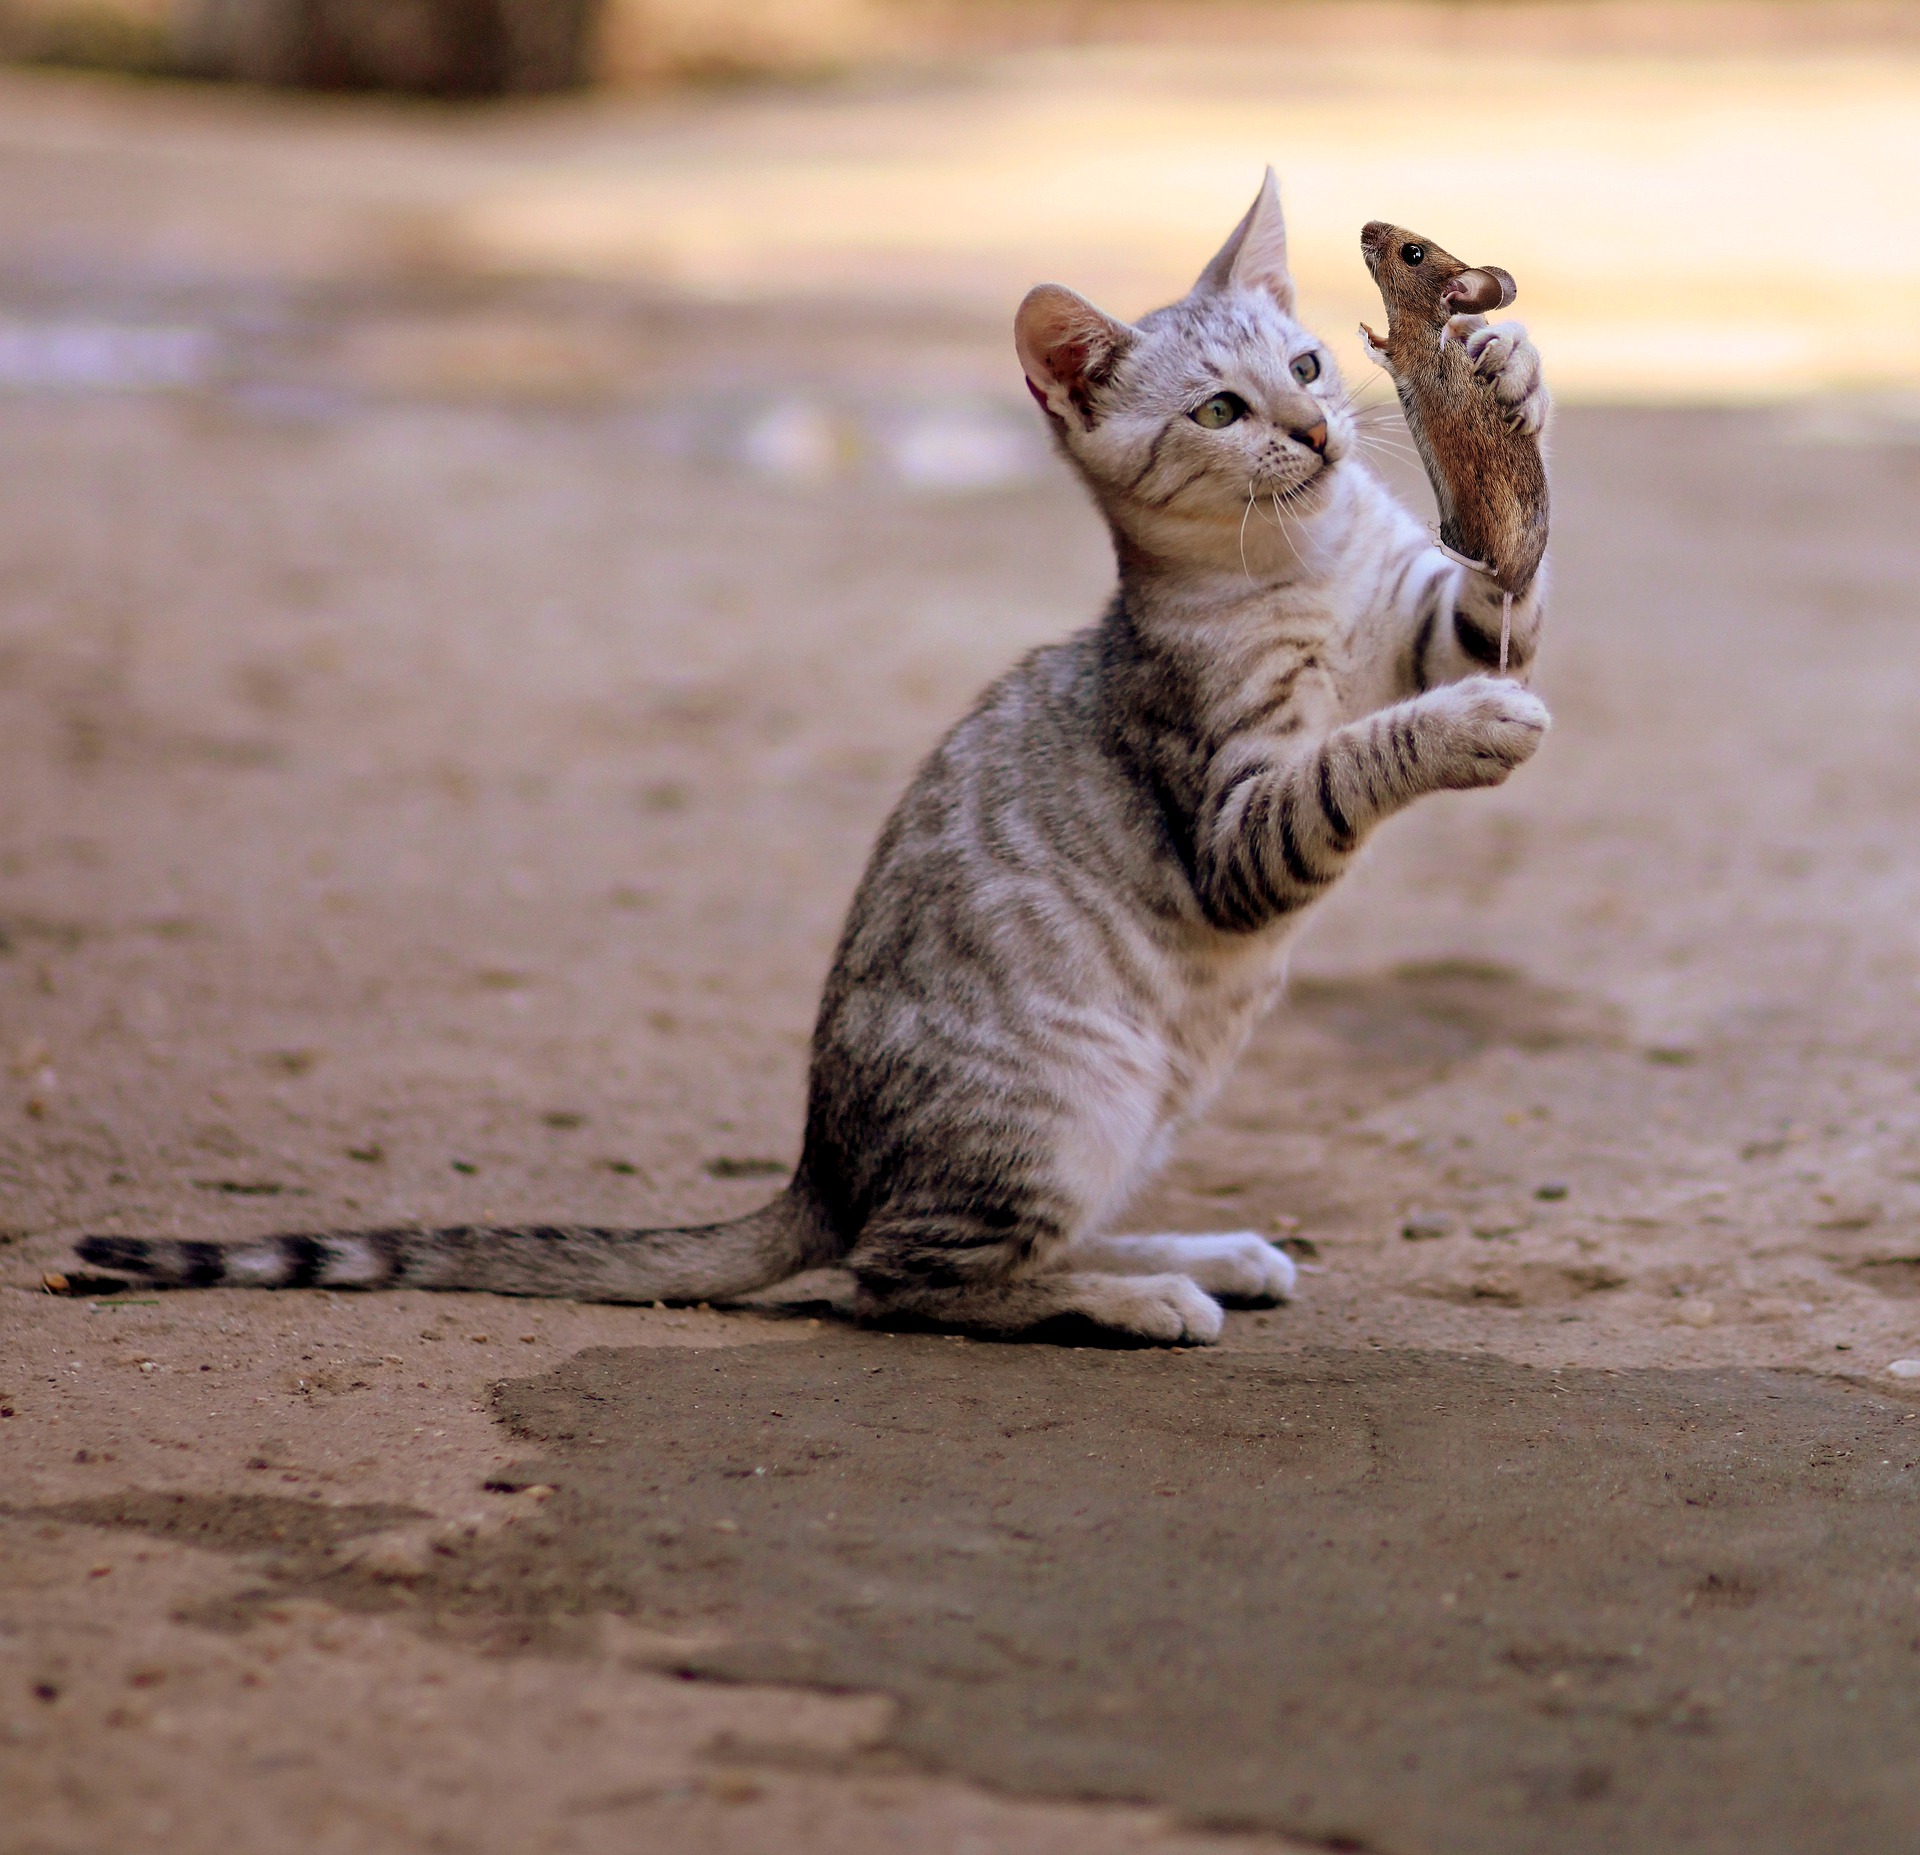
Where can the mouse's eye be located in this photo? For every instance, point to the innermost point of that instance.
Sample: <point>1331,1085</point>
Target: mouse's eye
<point>1306,368</point>
<point>1413,254</point>
<point>1222,409</point>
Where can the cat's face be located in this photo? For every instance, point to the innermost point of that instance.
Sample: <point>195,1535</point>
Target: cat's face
<point>1218,405</point>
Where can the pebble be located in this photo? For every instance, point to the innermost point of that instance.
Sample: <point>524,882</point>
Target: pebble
<point>1422,1226</point>
<point>1904,1368</point>
<point>1696,1313</point>
<point>395,1558</point>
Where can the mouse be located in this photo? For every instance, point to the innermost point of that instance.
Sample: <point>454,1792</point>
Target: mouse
<point>1486,467</point>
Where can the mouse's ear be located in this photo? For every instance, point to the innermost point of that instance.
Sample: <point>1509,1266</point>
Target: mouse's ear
<point>1067,348</point>
<point>1481,291</point>
<point>1255,257</point>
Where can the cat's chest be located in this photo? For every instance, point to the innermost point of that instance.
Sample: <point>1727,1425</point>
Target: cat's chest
<point>1291,678</point>
<point>1214,992</point>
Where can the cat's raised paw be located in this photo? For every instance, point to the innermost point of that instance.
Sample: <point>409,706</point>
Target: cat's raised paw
<point>1489,726</point>
<point>1504,356</point>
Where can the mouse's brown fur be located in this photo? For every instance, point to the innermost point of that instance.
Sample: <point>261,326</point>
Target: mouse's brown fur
<point>1487,472</point>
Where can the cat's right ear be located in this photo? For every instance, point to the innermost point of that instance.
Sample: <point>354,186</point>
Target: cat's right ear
<point>1068,349</point>
<point>1255,255</point>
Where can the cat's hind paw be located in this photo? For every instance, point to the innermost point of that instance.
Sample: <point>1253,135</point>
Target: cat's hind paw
<point>1171,1309</point>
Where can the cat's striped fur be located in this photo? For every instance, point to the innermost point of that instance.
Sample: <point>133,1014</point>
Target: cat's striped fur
<point>1081,907</point>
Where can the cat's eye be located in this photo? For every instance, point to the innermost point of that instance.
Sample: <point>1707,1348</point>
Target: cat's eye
<point>1221,410</point>
<point>1306,368</point>
<point>1413,254</point>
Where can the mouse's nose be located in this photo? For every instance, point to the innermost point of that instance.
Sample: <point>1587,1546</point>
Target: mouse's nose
<point>1314,437</point>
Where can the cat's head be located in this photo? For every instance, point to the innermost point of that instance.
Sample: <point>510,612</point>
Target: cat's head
<point>1182,420</point>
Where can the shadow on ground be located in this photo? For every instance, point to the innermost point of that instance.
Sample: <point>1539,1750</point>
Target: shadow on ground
<point>1385,1601</point>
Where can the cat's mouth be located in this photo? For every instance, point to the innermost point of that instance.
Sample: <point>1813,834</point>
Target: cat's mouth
<point>1297,489</point>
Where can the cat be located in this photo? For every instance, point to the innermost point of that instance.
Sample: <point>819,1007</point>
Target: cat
<point>1082,905</point>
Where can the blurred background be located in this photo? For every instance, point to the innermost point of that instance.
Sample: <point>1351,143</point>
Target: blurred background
<point>1704,202</point>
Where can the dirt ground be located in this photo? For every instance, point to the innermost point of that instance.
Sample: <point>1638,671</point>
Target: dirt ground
<point>441,719</point>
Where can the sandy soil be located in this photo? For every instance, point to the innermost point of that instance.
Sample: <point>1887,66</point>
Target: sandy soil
<point>442,719</point>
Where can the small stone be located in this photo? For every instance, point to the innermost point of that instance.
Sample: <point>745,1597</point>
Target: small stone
<point>1696,1313</point>
<point>1904,1368</point>
<point>1551,1191</point>
<point>1491,1225</point>
<point>1424,1226</point>
<point>393,1558</point>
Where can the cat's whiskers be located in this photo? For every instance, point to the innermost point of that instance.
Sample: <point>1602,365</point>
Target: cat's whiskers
<point>1294,540</point>
<point>1368,425</point>
<point>1252,487</point>
<point>1375,439</point>
<point>1376,446</point>
<point>1292,531</point>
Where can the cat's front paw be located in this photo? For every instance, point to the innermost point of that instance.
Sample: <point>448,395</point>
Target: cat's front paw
<point>1503,355</point>
<point>1241,1266</point>
<point>1485,727</point>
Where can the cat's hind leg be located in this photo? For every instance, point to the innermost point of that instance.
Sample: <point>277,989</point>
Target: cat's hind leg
<point>1238,1266</point>
<point>1009,1273</point>
<point>1167,1310</point>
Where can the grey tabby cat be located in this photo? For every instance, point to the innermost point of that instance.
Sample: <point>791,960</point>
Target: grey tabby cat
<point>1083,903</point>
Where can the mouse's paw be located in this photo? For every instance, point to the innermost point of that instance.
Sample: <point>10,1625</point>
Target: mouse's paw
<point>1376,351</point>
<point>1504,356</point>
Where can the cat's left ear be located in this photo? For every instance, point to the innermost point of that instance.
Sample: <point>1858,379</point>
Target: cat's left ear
<point>1255,257</point>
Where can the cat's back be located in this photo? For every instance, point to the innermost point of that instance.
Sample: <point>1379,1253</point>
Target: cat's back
<point>1022,824</point>
<point>1020,778</point>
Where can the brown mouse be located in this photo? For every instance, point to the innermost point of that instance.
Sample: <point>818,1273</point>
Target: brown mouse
<point>1487,472</point>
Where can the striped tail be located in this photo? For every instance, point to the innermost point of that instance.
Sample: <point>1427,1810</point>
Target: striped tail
<point>706,1262</point>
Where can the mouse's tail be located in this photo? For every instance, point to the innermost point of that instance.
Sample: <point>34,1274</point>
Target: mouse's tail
<point>702,1262</point>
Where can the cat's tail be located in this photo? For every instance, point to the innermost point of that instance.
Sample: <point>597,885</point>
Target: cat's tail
<point>705,1262</point>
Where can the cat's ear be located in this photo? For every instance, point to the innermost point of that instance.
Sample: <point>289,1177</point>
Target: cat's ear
<point>1067,347</point>
<point>1255,257</point>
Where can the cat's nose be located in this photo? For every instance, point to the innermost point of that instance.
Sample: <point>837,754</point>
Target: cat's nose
<point>1314,436</point>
